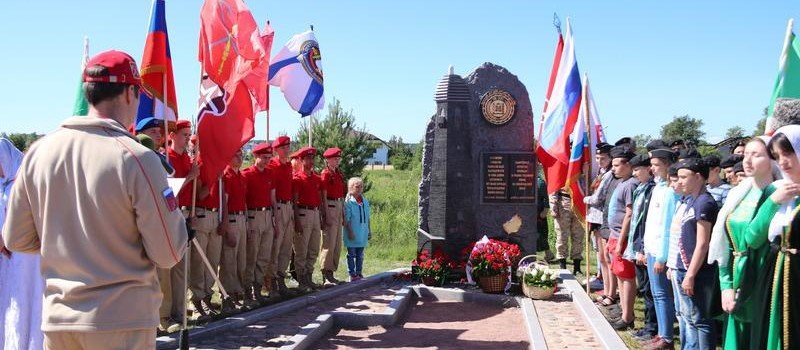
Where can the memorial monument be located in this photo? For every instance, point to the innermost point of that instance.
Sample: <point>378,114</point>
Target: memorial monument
<point>479,167</point>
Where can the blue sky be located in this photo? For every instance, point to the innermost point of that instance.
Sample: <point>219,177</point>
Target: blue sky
<point>647,61</point>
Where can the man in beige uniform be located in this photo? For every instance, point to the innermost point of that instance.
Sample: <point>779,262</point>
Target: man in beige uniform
<point>333,192</point>
<point>96,204</point>
<point>281,171</point>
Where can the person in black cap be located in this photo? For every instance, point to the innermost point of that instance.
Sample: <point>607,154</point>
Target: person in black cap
<point>656,238</point>
<point>677,145</point>
<point>727,166</point>
<point>738,173</point>
<point>739,147</point>
<point>635,246</point>
<point>595,204</point>
<point>619,218</point>
<point>626,141</point>
<point>686,153</point>
<point>715,186</point>
<point>694,281</point>
<point>656,144</point>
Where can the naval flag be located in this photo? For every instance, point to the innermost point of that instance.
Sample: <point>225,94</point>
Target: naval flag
<point>297,71</point>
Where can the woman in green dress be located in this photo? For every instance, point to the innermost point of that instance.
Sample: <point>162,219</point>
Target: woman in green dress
<point>775,321</point>
<point>728,247</point>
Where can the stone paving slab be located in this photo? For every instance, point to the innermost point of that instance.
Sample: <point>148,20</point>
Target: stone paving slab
<point>277,332</point>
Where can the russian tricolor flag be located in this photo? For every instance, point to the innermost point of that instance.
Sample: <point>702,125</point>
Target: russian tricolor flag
<point>297,70</point>
<point>560,114</point>
<point>157,98</point>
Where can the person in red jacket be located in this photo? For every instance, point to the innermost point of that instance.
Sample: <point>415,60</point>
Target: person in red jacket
<point>307,188</point>
<point>260,230</point>
<point>234,228</point>
<point>181,161</point>
<point>333,191</point>
<point>281,170</point>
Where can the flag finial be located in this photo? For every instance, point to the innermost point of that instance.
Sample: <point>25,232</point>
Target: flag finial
<point>312,27</point>
<point>557,22</point>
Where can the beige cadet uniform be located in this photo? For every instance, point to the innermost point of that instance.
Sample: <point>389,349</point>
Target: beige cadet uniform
<point>234,258</point>
<point>567,227</point>
<point>333,185</point>
<point>306,187</point>
<point>284,215</point>
<point>207,222</point>
<point>260,238</point>
<point>96,204</point>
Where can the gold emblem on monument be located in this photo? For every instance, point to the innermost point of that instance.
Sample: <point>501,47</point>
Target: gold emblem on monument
<point>498,106</point>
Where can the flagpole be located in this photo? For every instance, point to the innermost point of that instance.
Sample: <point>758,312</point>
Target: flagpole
<point>587,175</point>
<point>787,42</point>
<point>164,114</point>
<point>310,129</point>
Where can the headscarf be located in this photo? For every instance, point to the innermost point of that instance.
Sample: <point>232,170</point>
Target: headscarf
<point>10,159</point>
<point>783,217</point>
<point>718,246</point>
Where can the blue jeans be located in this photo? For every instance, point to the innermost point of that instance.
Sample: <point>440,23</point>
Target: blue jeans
<point>697,328</point>
<point>355,260</point>
<point>663,300</point>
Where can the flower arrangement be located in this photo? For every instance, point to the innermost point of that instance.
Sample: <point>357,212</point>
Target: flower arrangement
<point>539,277</point>
<point>432,269</point>
<point>492,257</point>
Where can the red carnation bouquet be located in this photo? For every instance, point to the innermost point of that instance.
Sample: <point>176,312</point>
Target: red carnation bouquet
<point>492,257</point>
<point>432,268</point>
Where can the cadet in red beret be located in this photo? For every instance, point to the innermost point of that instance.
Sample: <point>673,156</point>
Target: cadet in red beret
<point>333,191</point>
<point>281,171</point>
<point>234,228</point>
<point>306,186</point>
<point>260,232</point>
<point>181,161</point>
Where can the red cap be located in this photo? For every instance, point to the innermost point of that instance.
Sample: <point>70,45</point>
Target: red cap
<point>306,151</point>
<point>262,148</point>
<point>281,141</point>
<point>183,124</point>
<point>332,152</point>
<point>121,68</point>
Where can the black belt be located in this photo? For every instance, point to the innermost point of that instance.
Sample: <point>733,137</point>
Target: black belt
<point>284,202</point>
<point>209,209</point>
<point>562,195</point>
<point>236,212</point>
<point>260,209</point>
<point>307,207</point>
<point>335,199</point>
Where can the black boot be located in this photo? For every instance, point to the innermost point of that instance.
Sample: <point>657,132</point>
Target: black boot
<point>576,267</point>
<point>562,263</point>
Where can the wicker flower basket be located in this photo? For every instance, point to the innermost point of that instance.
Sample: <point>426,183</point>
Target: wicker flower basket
<point>533,292</point>
<point>538,293</point>
<point>493,284</point>
<point>430,281</point>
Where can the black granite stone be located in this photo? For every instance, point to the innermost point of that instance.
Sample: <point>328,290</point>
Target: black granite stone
<point>455,201</point>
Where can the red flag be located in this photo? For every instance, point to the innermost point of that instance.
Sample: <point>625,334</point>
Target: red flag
<point>225,123</point>
<point>232,54</point>
<point>258,80</point>
<point>229,42</point>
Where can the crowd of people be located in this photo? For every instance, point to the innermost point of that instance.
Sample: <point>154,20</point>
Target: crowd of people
<point>705,242</point>
<point>90,203</point>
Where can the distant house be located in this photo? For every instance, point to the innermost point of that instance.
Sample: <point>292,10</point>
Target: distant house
<point>381,155</point>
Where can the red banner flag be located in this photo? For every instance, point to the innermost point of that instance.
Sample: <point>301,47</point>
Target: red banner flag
<point>257,81</point>
<point>225,123</point>
<point>233,58</point>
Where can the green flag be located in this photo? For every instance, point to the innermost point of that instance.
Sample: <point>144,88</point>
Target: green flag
<point>81,105</point>
<point>788,82</point>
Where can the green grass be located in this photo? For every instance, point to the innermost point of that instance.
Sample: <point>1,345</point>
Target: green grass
<point>393,200</point>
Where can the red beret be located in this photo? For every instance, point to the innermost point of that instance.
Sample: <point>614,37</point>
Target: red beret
<point>307,151</point>
<point>281,141</point>
<point>332,152</point>
<point>182,124</point>
<point>262,148</point>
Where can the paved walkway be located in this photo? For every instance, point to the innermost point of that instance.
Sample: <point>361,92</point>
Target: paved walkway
<point>563,325</point>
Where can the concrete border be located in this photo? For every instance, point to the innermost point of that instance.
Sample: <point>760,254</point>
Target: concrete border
<point>250,317</point>
<point>607,336</point>
<point>535,333</point>
<point>310,333</point>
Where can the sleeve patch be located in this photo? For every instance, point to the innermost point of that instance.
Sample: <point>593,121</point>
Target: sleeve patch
<point>169,199</point>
